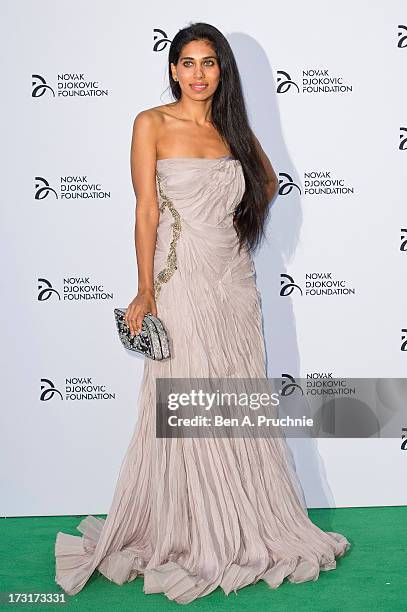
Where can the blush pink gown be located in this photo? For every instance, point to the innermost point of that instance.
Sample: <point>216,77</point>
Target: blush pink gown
<point>189,515</point>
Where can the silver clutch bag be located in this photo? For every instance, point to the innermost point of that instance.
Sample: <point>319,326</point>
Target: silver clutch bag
<point>152,341</point>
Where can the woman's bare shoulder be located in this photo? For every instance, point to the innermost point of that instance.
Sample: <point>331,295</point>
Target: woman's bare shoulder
<point>155,113</point>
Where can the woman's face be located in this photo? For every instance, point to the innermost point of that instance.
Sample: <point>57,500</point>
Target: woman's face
<point>197,70</point>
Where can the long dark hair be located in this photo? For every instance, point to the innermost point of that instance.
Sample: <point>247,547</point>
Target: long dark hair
<point>229,116</point>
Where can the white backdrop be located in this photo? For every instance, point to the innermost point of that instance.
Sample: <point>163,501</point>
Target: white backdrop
<point>70,389</point>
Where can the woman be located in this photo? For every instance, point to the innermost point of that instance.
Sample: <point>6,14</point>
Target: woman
<point>192,514</point>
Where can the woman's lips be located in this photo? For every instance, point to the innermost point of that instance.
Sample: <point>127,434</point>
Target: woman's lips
<point>198,86</point>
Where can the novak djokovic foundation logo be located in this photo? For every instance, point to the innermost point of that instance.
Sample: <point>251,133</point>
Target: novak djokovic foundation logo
<point>315,284</point>
<point>316,383</point>
<point>70,187</point>
<point>315,183</point>
<point>67,85</point>
<point>403,138</point>
<point>160,40</point>
<point>72,288</point>
<point>312,81</point>
<point>402,36</point>
<point>75,388</point>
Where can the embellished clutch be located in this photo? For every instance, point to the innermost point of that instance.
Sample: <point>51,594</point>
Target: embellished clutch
<point>152,341</point>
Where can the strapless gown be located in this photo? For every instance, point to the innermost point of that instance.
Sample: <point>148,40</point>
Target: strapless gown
<point>191,514</point>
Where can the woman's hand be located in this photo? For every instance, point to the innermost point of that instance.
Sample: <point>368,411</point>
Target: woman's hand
<point>143,302</point>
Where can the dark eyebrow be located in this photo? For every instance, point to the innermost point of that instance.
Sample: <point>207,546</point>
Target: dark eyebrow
<point>204,58</point>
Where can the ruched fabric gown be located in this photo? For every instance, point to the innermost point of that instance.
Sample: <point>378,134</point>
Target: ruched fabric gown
<point>191,514</point>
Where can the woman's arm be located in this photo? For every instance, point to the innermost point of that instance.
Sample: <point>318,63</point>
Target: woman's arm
<point>272,182</point>
<point>143,167</point>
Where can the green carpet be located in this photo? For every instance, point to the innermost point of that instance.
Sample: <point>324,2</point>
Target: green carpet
<point>372,575</point>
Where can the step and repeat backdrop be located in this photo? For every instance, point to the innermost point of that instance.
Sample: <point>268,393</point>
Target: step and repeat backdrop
<point>327,98</point>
